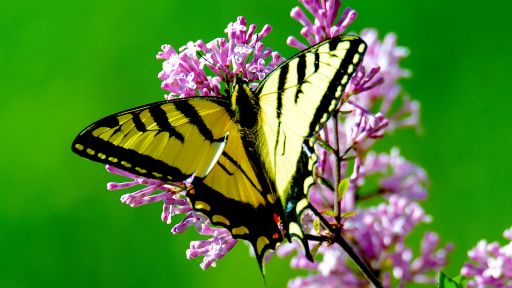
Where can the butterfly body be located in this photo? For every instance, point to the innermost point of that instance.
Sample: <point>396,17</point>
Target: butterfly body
<point>247,153</point>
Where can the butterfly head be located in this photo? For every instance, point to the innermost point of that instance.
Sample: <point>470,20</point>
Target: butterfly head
<point>244,104</point>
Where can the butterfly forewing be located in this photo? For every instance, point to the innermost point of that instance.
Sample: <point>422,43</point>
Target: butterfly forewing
<point>160,140</point>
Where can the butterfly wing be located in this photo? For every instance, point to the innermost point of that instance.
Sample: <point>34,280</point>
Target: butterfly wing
<point>167,140</point>
<point>237,179</point>
<point>239,198</point>
<point>173,140</point>
<point>296,100</point>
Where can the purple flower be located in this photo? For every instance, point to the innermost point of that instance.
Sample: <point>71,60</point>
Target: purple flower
<point>376,81</point>
<point>344,148</point>
<point>212,249</point>
<point>242,53</point>
<point>380,234</point>
<point>359,127</point>
<point>324,26</point>
<point>364,121</point>
<point>397,175</point>
<point>175,203</point>
<point>490,264</point>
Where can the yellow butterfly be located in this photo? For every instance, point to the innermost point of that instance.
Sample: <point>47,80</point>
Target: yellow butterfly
<point>248,154</point>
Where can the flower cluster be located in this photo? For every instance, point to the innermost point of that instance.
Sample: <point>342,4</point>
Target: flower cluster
<point>241,54</point>
<point>325,25</point>
<point>378,232</point>
<point>373,104</point>
<point>490,264</point>
<point>175,203</point>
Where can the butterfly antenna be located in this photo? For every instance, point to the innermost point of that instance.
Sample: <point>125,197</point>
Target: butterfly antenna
<point>202,56</point>
<point>257,36</point>
<point>226,79</point>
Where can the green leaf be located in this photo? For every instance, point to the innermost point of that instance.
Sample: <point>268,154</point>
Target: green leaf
<point>447,282</point>
<point>315,249</point>
<point>342,188</point>
<point>346,112</point>
<point>316,225</point>
<point>329,213</point>
<point>326,146</point>
<point>348,214</point>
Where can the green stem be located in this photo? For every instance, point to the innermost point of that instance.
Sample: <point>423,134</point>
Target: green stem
<point>337,174</point>
<point>365,269</point>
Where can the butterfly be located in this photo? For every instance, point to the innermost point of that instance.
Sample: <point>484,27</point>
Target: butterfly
<point>251,156</point>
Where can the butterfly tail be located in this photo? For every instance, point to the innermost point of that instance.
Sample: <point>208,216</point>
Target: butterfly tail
<point>297,201</point>
<point>294,227</point>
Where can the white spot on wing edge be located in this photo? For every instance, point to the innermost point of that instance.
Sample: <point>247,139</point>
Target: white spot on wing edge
<point>261,242</point>
<point>202,205</point>
<point>361,48</point>
<point>215,158</point>
<point>220,219</point>
<point>240,230</point>
<point>356,58</point>
<point>344,45</point>
<point>301,205</point>
<point>350,69</point>
<point>79,147</point>
<point>344,80</point>
<point>294,228</point>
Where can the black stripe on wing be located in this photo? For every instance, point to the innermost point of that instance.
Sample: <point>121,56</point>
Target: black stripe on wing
<point>317,62</point>
<point>160,117</point>
<point>301,75</point>
<point>255,224</point>
<point>189,111</point>
<point>233,162</point>
<point>105,152</point>
<point>335,82</point>
<point>138,123</point>
<point>95,148</point>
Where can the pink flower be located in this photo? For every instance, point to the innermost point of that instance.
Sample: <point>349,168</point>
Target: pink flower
<point>344,149</point>
<point>324,26</point>
<point>490,264</point>
<point>242,53</point>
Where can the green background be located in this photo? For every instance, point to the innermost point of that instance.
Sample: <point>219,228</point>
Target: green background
<point>64,64</point>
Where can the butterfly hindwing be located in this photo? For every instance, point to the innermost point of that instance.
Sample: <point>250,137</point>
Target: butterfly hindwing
<point>173,140</point>
<point>240,198</point>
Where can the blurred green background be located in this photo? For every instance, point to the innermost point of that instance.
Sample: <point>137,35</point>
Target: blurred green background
<point>64,64</point>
